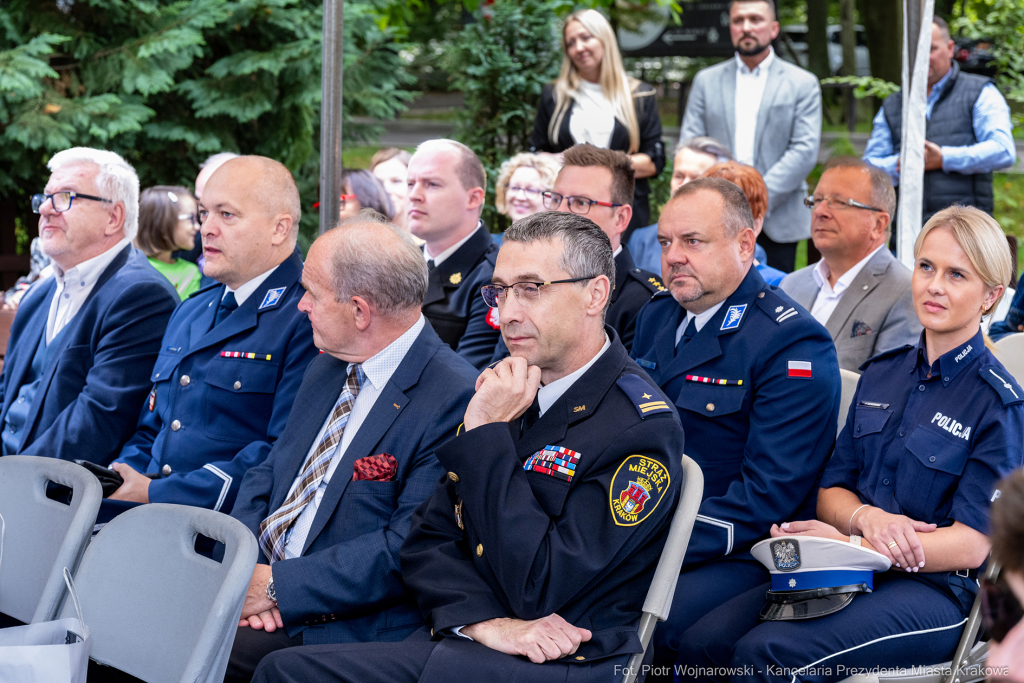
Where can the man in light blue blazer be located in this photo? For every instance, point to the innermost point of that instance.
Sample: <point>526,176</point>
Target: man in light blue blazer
<point>333,502</point>
<point>769,114</point>
<point>84,340</point>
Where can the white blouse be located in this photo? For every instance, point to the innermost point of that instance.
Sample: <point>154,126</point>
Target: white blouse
<point>592,119</point>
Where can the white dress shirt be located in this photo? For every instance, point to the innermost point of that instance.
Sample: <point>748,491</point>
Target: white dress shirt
<point>592,119</point>
<point>440,258</point>
<point>246,290</point>
<point>749,93</point>
<point>378,370</point>
<point>828,296</point>
<point>549,393</point>
<point>702,319</point>
<point>74,287</point>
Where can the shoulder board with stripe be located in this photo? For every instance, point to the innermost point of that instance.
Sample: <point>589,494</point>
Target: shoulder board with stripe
<point>646,399</point>
<point>1007,388</point>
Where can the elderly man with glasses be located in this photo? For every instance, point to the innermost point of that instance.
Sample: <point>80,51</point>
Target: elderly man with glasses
<point>858,290</point>
<point>532,559</point>
<point>84,341</point>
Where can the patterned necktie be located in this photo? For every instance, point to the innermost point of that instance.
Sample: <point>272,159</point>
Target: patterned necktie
<point>689,333</point>
<point>274,529</point>
<point>227,304</point>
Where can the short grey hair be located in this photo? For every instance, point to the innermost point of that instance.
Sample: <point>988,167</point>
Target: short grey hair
<point>882,195</point>
<point>736,213</point>
<point>586,252</point>
<point>116,180</point>
<point>703,144</point>
<point>391,276</point>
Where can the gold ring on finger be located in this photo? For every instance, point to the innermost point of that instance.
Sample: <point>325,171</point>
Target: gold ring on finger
<point>892,544</point>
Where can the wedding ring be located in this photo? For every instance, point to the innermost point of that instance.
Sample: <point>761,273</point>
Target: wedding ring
<point>892,544</point>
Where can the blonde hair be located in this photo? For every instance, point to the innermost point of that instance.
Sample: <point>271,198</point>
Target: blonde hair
<point>982,240</point>
<point>546,167</point>
<point>616,85</point>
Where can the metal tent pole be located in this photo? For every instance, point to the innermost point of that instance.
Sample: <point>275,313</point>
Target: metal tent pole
<point>330,115</point>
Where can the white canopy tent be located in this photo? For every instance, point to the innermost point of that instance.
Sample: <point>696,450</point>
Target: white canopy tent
<point>917,37</point>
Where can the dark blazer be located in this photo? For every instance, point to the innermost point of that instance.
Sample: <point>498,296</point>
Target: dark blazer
<point>211,415</point>
<point>90,393</point>
<point>646,104</point>
<point>500,538</point>
<point>454,306</point>
<point>759,422</point>
<point>347,586</point>
<point>633,288</point>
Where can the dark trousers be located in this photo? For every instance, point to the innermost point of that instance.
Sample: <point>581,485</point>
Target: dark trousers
<point>905,622</point>
<point>249,649</point>
<point>781,255</point>
<point>405,662</point>
<point>700,590</point>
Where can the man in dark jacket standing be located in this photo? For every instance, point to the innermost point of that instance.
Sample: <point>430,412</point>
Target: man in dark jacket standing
<point>967,137</point>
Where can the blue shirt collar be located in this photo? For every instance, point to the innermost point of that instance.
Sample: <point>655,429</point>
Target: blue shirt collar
<point>940,86</point>
<point>379,368</point>
<point>949,365</point>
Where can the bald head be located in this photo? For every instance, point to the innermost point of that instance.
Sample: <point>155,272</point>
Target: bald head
<point>269,184</point>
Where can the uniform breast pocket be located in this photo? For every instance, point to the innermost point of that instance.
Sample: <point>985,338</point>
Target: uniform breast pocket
<point>163,369</point>
<point>928,474</point>
<point>239,399</point>
<point>711,400</point>
<point>868,421</point>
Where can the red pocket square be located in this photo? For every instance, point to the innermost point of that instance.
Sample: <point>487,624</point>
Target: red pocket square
<point>380,467</point>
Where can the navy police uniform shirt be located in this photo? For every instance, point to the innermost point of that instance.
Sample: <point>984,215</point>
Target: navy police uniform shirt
<point>757,391</point>
<point>454,306</point>
<point>568,516</point>
<point>633,288</point>
<point>931,441</point>
<point>222,394</point>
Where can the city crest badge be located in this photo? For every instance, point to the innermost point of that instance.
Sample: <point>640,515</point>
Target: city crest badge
<point>636,489</point>
<point>786,554</point>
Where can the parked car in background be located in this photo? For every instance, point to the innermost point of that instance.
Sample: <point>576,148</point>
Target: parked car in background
<point>792,46</point>
<point>974,56</point>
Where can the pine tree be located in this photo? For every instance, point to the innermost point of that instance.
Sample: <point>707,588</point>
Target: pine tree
<point>166,84</point>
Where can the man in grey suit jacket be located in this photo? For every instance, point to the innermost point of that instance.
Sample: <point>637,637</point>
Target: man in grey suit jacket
<point>769,112</point>
<point>858,291</point>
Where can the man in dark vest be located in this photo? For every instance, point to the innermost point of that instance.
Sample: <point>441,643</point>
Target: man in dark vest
<point>967,135</point>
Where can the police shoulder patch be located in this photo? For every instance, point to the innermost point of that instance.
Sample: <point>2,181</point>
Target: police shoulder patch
<point>645,398</point>
<point>637,488</point>
<point>1007,388</point>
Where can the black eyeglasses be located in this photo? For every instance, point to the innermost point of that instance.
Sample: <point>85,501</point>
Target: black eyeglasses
<point>62,200</point>
<point>578,205</point>
<point>526,293</point>
<point>835,202</point>
<point>190,217</point>
<point>1000,609</point>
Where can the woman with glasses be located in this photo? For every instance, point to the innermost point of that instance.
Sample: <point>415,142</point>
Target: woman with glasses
<point>931,430</point>
<point>363,190</point>
<point>1002,599</point>
<point>521,182</point>
<point>594,101</point>
<point>167,223</point>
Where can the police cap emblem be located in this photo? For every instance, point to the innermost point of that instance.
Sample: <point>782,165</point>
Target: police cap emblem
<point>786,554</point>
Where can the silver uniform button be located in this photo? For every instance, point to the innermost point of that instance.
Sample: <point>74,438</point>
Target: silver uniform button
<point>175,426</point>
<point>185,380</point>
<point>238,385</point>
<point>166,470</point>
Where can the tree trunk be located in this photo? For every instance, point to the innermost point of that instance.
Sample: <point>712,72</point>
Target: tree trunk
<point>817,38</point>
<point>883,33</point>
<point>849,38</point>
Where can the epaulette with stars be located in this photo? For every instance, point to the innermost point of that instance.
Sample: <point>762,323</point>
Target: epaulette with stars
<point>645,398</point>
<point>650,280</point>
<point>775,307</point>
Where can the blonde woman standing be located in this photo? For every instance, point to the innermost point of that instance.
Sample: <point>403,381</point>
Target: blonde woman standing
<point>595,102</point>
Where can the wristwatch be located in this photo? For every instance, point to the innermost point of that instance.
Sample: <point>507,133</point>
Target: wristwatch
<point>271,593</point>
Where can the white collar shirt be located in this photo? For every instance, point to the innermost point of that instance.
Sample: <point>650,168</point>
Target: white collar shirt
<point>749,93</point>
<point>443,256</point>
<point>245,291</point>
<point>378,370</point>
<point>74,286</point>
<point>828,296</point>
<point>592,120</point>
<point>549,393</point>
<point>702,319</point>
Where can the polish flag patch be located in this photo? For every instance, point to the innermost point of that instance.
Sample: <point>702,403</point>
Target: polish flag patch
<point>800,368</point>
<point>492,319</point>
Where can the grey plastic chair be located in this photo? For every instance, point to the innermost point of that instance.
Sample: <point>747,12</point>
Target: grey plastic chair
<point>42,536</point>
<point>967,665</point>
<point>663,586</point>
<point>849,388</point>
<point>155,608</point>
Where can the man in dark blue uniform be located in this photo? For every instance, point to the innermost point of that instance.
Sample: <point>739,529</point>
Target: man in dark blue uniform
<point>446,192</point>
<point>756,382</point>
<point>234,353</point>
<point>542,541</point>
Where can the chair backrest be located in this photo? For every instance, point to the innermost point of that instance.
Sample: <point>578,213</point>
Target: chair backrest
<point>42,536</point>
<point>849,380</point>
<point>155,608</point>
<point>1010,352</point>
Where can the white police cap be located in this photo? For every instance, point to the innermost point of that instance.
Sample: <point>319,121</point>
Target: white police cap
<point>813,577</point>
